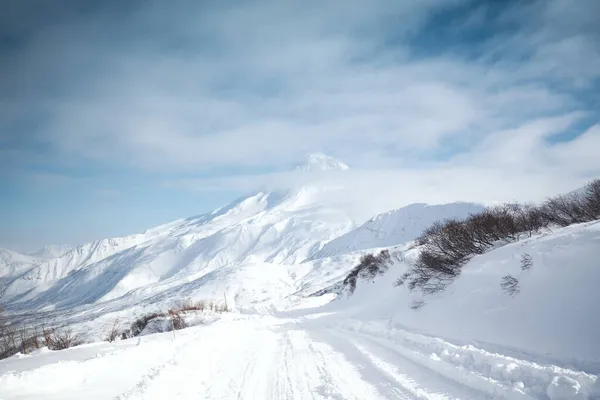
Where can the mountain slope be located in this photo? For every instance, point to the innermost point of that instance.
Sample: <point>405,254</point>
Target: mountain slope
<point>50,251</point>
<point>12,266</point>
<point>396,227</point>
<point>264,228</point>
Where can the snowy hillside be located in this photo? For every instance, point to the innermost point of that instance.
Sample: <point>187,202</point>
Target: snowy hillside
<point>13,264</point>
<point>552,317</point>
<point>395,227</point>
<point>261,229</point>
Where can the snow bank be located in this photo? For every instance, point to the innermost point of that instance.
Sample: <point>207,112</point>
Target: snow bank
<point>488,372</point>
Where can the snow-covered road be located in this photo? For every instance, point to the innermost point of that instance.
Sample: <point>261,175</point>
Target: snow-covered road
<point>265,357</point>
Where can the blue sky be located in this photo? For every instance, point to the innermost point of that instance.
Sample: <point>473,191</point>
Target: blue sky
<point>117,116</point>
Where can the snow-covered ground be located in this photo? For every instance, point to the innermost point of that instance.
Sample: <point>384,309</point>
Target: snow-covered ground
<point>267,357</point>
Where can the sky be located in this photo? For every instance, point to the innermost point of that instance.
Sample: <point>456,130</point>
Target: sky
<point>118,116</point>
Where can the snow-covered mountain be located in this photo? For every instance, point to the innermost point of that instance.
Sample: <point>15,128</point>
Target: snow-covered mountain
<point>50,251</point>
<point>263,228</point>
<point>322,162</point>
<point>13,264</point>
<point>396,226</point>
<point>260,248</point>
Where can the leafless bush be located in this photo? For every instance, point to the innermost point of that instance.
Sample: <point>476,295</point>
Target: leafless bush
<point>9,341</point>
<point>369,266</point>
<point>416,304</point>
<point>402,280</point>
<point>203,305</point>
<point>220,307</point>
<point>47,335</point>
<point>592,198</point>
<point>65,338</point>
<point>139,324</point>
<point>526,262</point>
<point>30,339</point>
<point>195,306</point>
<point>566,209</point>
<point>576,207</point>
<point>177,321</point>
<point>530,219</point>
<point>175,315</point>
<point>510,285</point>
<point>114,332</point>
<point>448,245</point>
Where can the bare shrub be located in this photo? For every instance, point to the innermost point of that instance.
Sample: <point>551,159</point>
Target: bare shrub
<point>114,332</point>
<point>567,209</point>
<point>195,306</point>
<point>403,278</point>
<point>29,339</point>
<point>592,198</point>
<point>140,324</point>
<point>446,246</point>
<point>177,321</point>
<point>9,342</point>
<point>510,285</point>
<point>47,335</point>
<point>369,266</point>
<point>530,219</point>
<point>65,338</point>
<point>416,304</point>
<point>221,307</point>
<point>526,262</point>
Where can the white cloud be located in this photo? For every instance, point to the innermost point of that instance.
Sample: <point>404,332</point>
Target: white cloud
<point>265,82</point>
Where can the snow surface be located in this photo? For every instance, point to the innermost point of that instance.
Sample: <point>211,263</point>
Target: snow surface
<point>50,251</point>
<point>313,356</point>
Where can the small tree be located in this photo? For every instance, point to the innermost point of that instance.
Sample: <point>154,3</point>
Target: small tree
<point>177,321</point>
<point>526,262</point>
<point>510,285</point>
<point>114,332</point>
<point>369,266</point>
<point>592,198</point>
<point>48,336</point>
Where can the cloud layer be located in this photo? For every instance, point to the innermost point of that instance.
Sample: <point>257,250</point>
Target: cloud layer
<point>212,95</point>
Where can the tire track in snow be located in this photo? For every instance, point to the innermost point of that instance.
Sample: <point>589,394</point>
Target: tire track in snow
<point>234,364</point>
<point>142,385</point>
<point>314,370</point>
<point>431,366</point>
<point>391,383</point>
